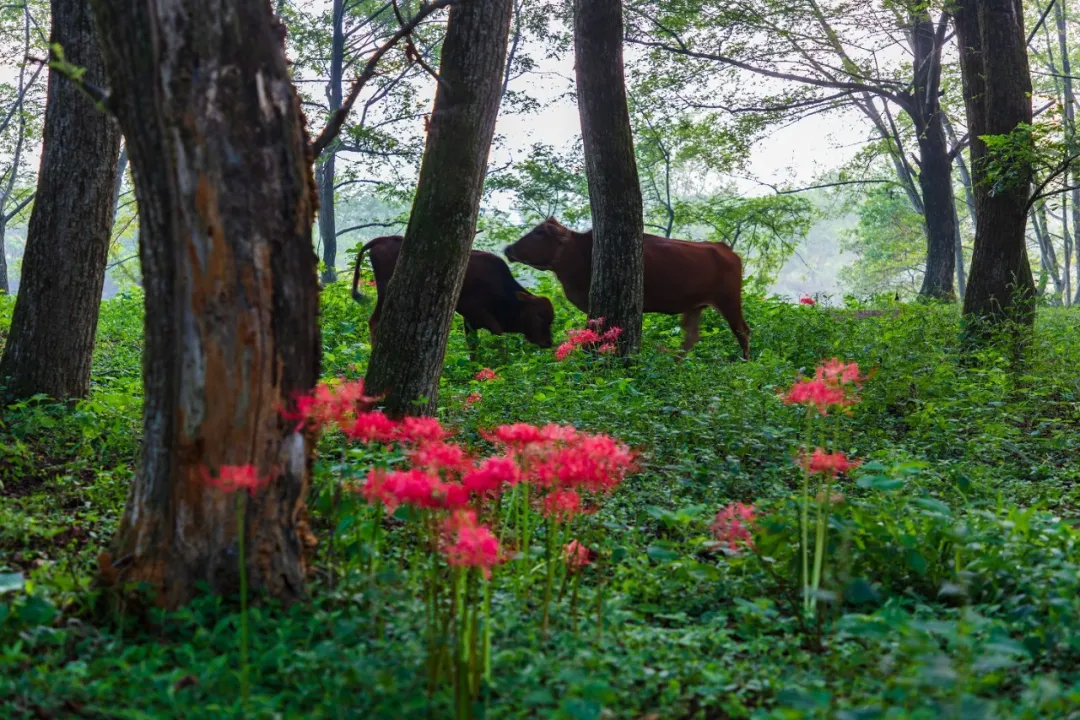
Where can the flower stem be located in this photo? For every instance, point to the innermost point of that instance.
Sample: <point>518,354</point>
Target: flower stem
<point>549,580</point>
<point>241,506</point>
<point>805,523</point>
<point>487,630</point>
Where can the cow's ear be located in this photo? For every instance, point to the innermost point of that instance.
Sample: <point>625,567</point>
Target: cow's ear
<point>523,296</point>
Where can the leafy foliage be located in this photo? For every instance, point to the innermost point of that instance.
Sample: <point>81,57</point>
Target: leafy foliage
<point>955,545</point>
<point>890,243</point>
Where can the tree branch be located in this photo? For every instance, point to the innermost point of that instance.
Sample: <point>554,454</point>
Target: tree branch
<point>333,128</point>
<point>837,184</point>
<point>368,225</point>
<point>412,54</point>
<point>1042,19</point>
<point>18,208</point>
<point>790,77</point>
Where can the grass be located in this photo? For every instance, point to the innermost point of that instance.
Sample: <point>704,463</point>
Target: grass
<point>957,571</point>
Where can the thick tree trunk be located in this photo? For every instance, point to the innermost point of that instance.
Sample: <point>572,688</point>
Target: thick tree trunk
<point>935,171</point>
<point>51,342</point>
<point>407,358</point>
<point>935,181</point>
<point>997,94</point>
<point>327,171</point>
<point>226,201</point>
<point>617,291</point>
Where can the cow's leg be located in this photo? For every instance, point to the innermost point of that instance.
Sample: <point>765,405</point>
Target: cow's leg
<point>690,328</point>
<point>732,312</point>
<point>472,340</point>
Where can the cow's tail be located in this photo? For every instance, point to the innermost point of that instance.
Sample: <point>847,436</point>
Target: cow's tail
<point>356,294</point>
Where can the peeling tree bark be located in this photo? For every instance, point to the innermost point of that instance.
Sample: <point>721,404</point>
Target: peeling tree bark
<point>51,342</point>
<point>617,289</point>
<point>407,358</point>
<point>997,94</point>
<point>227,201</point>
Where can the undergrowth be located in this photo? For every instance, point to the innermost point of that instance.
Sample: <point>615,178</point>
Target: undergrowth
<point>958,537</point>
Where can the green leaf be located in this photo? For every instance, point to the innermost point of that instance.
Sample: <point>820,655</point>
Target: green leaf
<point>933,505</point>
<point>879,482</point>
<point>11,582</point>
<point>662,552</point>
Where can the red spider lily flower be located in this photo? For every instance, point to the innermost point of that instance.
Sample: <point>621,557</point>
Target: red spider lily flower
<point>831,463</point>
<point>595,462</point>
<point>560,433</point>
<point>439,456</point>
<point>329,404</point>
<point>371,427</point>
<point>490,476</point>
<point>733,525</point>
<point>472,545</point>
<point>486,374</point>
<point>378,490</point>
<point>816,393</point>
<point>577,555</point>
<point>596,323</point>
<point>451,495</point>
<point>422,429</point>
<point>562,504</point>
<point>607,349</point>
<point>807,300</point>
<point>837,372</point>
<point>516,436</point>
<point>563,351</point>
<point>407,487</point>
<point>583,337</point>
<point>231,478</point>
<point>473,399</point>
<point>611,335</point>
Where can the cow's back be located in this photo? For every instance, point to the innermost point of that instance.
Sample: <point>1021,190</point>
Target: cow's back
<point>681,275</point>
<point>383,254</point>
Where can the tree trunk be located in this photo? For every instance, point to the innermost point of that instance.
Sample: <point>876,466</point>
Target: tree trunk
<point>961,277</point>
<point>51,342</point>
<point>327,218</point>
<point>616,291</point>
<point>997,94</point>
<point>1069,102</point>
<point>226,203</point>
<point>121,168</point>
<point>327,171</point>
<point>1047,253</point>
<point>4,287</point>
<point>935,181</point>
<point>407,358</point>
<point>935,171</point>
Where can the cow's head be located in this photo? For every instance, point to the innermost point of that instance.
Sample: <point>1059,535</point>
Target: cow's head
<point>541,246</point>
<point>536,314</point>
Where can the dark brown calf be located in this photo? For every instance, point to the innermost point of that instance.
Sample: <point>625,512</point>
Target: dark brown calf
<point>680,277</point>
<point>490,296</point>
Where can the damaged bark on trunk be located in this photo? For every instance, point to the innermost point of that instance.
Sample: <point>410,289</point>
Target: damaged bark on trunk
<point>226,196</point>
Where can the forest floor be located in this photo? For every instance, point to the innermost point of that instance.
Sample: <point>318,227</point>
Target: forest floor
<point>953,572</point>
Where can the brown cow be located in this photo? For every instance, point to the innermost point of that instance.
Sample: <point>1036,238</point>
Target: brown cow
<point>680,276</point>
<point>490,296</point>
